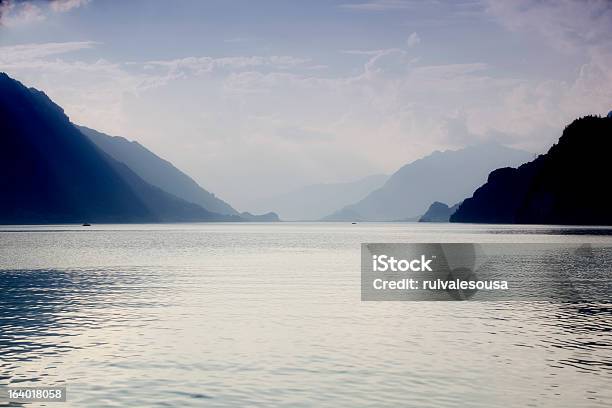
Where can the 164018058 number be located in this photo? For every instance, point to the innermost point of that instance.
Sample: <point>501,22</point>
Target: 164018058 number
<point>35,394</point>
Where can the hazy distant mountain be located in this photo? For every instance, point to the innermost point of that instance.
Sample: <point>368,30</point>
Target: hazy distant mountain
<point>314,201</point>
<point>267,217</point>
<point>447,176</point>
<point>567,185</point>
<point>438,212</point>
<point>157,171</point>
<point>51,173</point>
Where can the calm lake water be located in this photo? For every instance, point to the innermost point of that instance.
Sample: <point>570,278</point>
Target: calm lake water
<point>270,315</point>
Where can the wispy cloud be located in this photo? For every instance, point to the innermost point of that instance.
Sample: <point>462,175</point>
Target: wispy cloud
<point>94,90</point>
<point>581,30</point>
<point>413,39</point>
<point>568,25</point>
<point>370,52</point>
<point>18,12</point>
<point>14,13</point>
<point>67,5</point>
<point>13,54</point>
<point>380,5</point>
<point>201,65</point>
<point>427,12</point>
<point>287,122</point>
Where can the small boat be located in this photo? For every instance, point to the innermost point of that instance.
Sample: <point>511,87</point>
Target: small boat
<point>353,223</point>
<point>86,224</point>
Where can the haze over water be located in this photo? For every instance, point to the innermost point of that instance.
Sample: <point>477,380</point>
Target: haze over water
<point>270,314</point>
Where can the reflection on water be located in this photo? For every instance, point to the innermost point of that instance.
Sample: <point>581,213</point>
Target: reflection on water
<point>257,314</point>
<point>557,231</point>
<point>587,331</point>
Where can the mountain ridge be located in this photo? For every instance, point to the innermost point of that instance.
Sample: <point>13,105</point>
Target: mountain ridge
<point>444,176</point>
<point>314,201</point>
<point>157,171</point>
<point>564,186</point>
<point>52,173</point>
<point>439,212</point>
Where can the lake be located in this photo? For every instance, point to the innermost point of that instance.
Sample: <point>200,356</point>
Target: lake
<point>226,315</point>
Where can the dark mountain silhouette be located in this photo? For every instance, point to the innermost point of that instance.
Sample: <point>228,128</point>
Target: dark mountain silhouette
<point>568,185</point>
<point>157,171</point>
<point>315,201</point>
<point>447,176</point>
<point>438,212</point>
<point>51,173</point>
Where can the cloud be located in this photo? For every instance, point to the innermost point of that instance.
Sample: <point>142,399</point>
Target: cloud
<point>380,5</point>
<point>579,30</point>
<point>413,39</point>
<point>202,65</point>
<point>287,123</point>
<point>368,52</point>
<point>393,103</point>
<point>66,5</point>
<point>18,12</point>
<point>97,92</point>
<point>440,8</point>
<point>14,13</point>
<point>16,54</point>
<point>568,25</point>
<point>90,91</point>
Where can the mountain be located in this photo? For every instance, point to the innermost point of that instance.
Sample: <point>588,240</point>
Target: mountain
<point>438,212</point>
<point>267,217</point>
<point>51,173</point>
<point>157,171</point>
<point>314,201</point>
<point>568,185</point>
<point>447,176</point>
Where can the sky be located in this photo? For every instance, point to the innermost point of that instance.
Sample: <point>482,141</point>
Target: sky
<point>253,99</point>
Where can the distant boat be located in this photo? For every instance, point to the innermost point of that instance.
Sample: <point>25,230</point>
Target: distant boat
<point>353,223</point>
<point>86,224</point>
